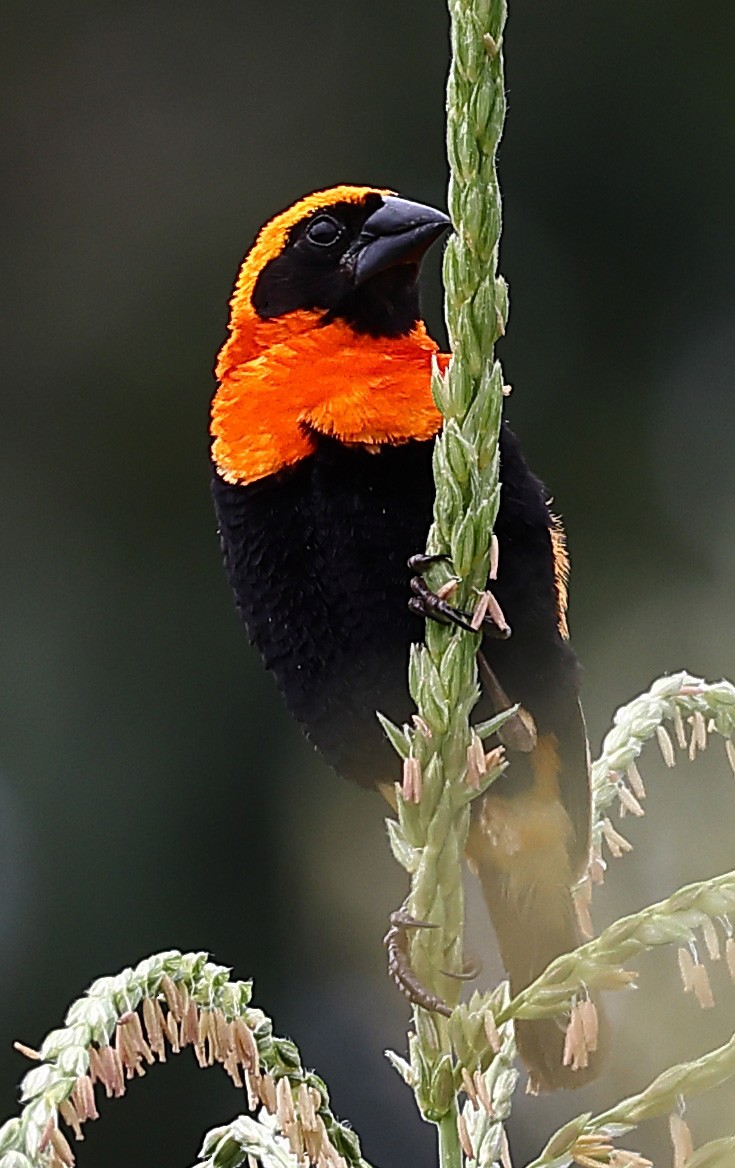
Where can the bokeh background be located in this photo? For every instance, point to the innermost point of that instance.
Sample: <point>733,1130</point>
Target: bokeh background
<point>153,792</point>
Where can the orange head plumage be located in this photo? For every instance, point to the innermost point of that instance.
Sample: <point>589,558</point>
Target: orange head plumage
<point>325,335</point>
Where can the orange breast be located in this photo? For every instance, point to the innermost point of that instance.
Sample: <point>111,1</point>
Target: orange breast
<point>319,380</point>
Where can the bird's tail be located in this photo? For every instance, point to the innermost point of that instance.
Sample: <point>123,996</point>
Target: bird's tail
<point>519,850</point>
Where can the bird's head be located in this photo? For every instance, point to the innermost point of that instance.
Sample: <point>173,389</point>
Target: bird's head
<point>325,332</point>
<point>348,253</point>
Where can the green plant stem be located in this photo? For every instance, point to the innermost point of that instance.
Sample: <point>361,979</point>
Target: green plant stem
<point>450,1152</point>
<point>432,829</point>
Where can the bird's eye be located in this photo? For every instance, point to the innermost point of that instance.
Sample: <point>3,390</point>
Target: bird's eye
<point>323,231</point>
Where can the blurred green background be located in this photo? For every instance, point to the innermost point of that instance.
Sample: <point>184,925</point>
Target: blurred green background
<point>153,792</point>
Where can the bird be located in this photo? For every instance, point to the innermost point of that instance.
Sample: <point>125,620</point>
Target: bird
<point>322,428</point>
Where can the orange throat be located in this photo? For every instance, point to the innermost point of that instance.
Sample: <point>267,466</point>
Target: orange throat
<point>283,383</point>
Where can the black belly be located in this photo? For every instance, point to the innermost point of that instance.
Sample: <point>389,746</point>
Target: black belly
<point>317,558</point>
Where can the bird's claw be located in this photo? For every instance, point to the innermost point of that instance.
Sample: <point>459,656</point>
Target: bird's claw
<point>431,606</point>
<point>434,605</point>
<point>399,967</point>
<point>421,562</point>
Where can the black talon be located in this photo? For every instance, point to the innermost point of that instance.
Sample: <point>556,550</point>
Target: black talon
<point>421,562</point>
<point>399,968</point>
<point>428,604</point>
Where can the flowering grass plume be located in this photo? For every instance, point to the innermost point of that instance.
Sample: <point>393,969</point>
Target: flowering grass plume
<point>694,709</point>
<point>444,763</point>
<point>697,919</point>
<point>489,1090</point>
<point>698,909</point>
<point>460,1062</point>
<point>587,1140</point>
<point>124,1024</point>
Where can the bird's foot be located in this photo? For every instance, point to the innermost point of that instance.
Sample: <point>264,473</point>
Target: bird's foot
<point>487,618</point>
<point>399,966</point>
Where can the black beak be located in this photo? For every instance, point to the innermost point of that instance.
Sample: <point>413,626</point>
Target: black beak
<point>399,232</point>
